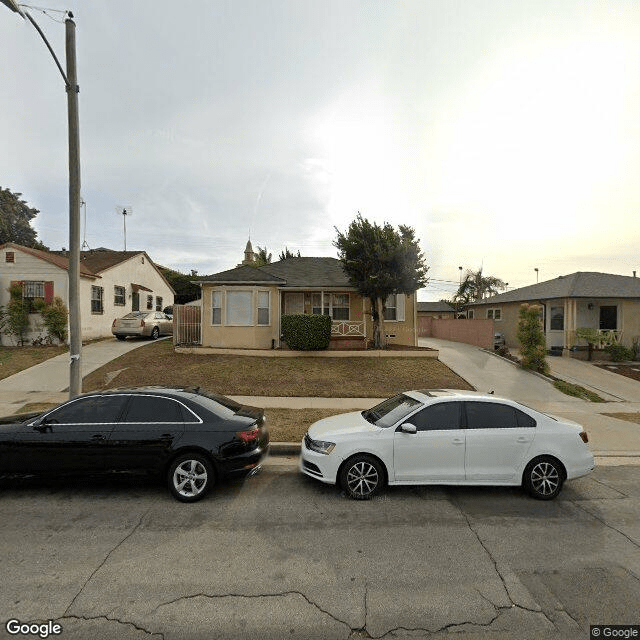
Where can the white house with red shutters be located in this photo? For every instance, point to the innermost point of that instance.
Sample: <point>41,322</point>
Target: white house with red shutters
<point>112,283</point>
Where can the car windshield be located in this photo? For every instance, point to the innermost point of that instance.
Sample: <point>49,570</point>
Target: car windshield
<point>133,315</point>
<point>390,411</point>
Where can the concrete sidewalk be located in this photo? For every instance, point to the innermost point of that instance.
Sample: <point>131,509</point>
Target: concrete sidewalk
<point>49,380</point>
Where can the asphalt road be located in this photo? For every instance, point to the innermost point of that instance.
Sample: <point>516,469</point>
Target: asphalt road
<point>283,556</point>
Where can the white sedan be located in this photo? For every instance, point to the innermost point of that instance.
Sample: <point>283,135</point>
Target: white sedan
<point>446,437</point>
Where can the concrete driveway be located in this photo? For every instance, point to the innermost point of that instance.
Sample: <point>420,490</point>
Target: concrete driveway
<point>608,436</point>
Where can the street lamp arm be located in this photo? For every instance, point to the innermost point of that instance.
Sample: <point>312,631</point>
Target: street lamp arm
<point>39,30</point>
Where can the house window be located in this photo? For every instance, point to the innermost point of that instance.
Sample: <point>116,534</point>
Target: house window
<point>149,303</point>
<point>556,323</point>
<point>316,302</point>
<point>263,307</point>
<point>10,256</point>
<point>32,290</point>
<point>119,296</point>
<point>391,307</point>
<point>340,303</point>
<point>216,307</point>
<point>239,308</point>
<point>96,300</point>
<point>158,303</point>
<point>494,314</point>
<point>470,314</point>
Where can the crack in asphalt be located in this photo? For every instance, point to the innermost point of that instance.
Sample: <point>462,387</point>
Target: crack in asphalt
<point>606,524</point>
<point>604,484</point>
<point>260,595</point>
<point>106,558</point>
<point>124,622</point>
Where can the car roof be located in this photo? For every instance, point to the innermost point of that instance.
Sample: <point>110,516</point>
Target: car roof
<point>426,395</point>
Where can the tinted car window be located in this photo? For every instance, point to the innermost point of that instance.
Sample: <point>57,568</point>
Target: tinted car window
<point>445,415</point>
<point>490,415</point>
<point>524,420</point>
<point>153,409</point>
<point>92,410</point>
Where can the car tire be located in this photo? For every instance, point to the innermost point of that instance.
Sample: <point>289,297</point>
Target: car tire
<point>121,337</point>
<point>543,478</point>
<point>361,477</point>
<point>155,333</point>
<point>190,477</point>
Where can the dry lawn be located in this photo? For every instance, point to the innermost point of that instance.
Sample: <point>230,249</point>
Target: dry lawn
<point>290,425</point>
<point>15,359</point>
<point>629,417</point>
<point>159,364</point>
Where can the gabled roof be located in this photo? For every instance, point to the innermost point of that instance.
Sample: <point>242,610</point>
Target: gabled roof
<point>582,284</point>
<point>54,258</point>
<point>435,307</point>
<point>307,273</point>
<point>101,259</point>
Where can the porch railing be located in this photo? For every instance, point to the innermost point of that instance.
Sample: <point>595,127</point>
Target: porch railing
<point>348,328</point>
<point>607,337</point>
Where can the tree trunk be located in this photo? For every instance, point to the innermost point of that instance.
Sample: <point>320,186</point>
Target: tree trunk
<point>381,342</point>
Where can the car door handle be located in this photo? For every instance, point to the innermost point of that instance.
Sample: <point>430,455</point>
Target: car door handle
<point>98,437</point>
<point>458,441</point>
<point>523,439</point>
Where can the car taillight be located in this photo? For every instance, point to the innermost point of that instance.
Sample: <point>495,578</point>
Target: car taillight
<point>142,323</point>
<point>249,436</point>
<point>113,324</point>
<point>584,436</point>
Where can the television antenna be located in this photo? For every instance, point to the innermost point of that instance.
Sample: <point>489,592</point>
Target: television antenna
<point>124,212</point>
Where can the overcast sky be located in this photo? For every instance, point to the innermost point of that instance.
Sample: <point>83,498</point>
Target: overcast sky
<point>507,133</point>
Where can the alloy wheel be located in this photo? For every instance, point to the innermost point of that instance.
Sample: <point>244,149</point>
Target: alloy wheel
<point>362,479</point>
<point>190,478</point>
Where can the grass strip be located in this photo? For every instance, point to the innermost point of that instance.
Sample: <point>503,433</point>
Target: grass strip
<point>577,391</point>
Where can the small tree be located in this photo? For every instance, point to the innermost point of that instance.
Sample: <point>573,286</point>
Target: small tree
<point>55,318</point>
<point>286,254</point>
<point>262,257</point>
<point>16,315</point>
<point>531,337</point>
<point>379,261</point>
<point>477,286</point>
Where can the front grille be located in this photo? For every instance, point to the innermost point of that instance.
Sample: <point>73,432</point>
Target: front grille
<point>311,468</point>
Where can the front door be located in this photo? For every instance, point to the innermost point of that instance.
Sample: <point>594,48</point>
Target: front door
<point>135,301</point>
<point>293,303</point>
<point>435,453</point>
<point>608,318</point>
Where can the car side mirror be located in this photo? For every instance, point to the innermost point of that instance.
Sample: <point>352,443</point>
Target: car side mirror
<point>407,427</point>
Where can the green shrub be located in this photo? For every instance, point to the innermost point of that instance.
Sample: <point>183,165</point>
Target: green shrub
<point>531,337</point>
<point>619,353</point>
<point>55,317</point>
<point>15,320</point>
<point>306,333</point>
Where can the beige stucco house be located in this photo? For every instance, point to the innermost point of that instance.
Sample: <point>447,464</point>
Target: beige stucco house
<point>112,283</point>
<point>242,307</point>
<point>606,302</point>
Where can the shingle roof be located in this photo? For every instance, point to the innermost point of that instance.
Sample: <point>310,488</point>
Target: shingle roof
<point>435,307</point>
<point>242,275</point>
<point>292,272</point>
<point>100,259</point>
<point>582,284</point>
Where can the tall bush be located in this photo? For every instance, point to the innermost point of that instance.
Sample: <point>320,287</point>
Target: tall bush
<point>306,333</point>
<point>55,318</point>
<point>15,319</point>
<point>531,337</point>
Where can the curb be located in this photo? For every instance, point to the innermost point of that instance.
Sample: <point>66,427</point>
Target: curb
<point>285,448</point>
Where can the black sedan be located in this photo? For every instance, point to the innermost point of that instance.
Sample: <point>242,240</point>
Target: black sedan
<point>191,437</point>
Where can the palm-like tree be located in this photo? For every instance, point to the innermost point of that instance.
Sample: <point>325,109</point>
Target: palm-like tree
<point>477,286</point>
<point>262,257</point>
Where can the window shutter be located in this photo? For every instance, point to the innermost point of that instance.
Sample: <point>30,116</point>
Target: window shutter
<point>48,292</point>
<point>400,307</point>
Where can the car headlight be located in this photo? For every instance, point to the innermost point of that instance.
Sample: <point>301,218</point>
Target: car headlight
<point>319,446</point>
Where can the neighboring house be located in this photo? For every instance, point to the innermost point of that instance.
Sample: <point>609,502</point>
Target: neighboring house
<point>112,283</point>
<point>439,310</point>
<point>242,307</point>
<point>606,302</point>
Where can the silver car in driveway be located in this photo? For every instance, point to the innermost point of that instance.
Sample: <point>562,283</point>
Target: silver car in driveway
<point>150,324</point>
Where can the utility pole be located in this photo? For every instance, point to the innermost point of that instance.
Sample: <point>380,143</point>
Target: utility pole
<point>75,326</point>
<point>71,84</point>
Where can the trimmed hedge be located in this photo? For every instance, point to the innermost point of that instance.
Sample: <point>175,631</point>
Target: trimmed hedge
<point>306,333</point>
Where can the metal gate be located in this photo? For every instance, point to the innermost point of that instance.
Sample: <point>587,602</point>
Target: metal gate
<point>186,325</point>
